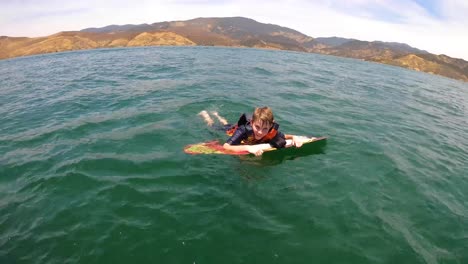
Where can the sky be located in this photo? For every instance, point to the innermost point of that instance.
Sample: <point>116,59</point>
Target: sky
<point>438,26</point>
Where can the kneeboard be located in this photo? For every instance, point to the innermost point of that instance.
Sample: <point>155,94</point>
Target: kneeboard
<point>214,147</point>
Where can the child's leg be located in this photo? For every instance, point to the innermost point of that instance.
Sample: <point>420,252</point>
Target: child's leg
<point>206,117</point>
<point>222,120</point>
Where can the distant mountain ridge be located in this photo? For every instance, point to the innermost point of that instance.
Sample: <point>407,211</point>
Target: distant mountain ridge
<point>332,41</point>
<point>235,32</point>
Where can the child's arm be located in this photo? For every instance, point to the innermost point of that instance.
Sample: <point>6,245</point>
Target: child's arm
<point>254,149</point>
<point>235,147</point>
<point>234,142</point>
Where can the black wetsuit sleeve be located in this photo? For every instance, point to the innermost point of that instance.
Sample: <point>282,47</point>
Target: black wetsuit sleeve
<point>238,136</point>
<point>279,141</point>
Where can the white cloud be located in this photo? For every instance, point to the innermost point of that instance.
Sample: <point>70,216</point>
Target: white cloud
<point>387,20</point>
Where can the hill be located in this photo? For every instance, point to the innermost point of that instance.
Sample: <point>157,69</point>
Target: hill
<point>234,32</point>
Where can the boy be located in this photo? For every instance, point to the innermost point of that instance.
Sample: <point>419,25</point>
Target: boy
<point>261,128</point>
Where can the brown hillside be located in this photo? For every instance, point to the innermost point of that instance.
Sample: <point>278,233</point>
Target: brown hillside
<point>235,32</point>
<point>429,65</point>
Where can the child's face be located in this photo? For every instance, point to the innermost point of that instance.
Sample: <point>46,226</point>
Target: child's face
<point>260,129</point>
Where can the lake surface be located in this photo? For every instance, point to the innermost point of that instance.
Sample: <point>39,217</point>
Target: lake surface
<point>92,168</point>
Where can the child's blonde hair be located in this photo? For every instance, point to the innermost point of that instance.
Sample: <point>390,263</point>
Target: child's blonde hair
<point>264,115</point>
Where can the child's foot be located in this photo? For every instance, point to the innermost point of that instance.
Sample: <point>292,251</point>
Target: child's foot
<point>221,119</point>
<point>206,117</point>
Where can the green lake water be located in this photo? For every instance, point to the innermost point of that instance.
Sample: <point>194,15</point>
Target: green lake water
<point>92,168</point>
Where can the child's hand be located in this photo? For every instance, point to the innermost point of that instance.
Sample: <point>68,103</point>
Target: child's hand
<point>297,141</point>
<point>255,150</point>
